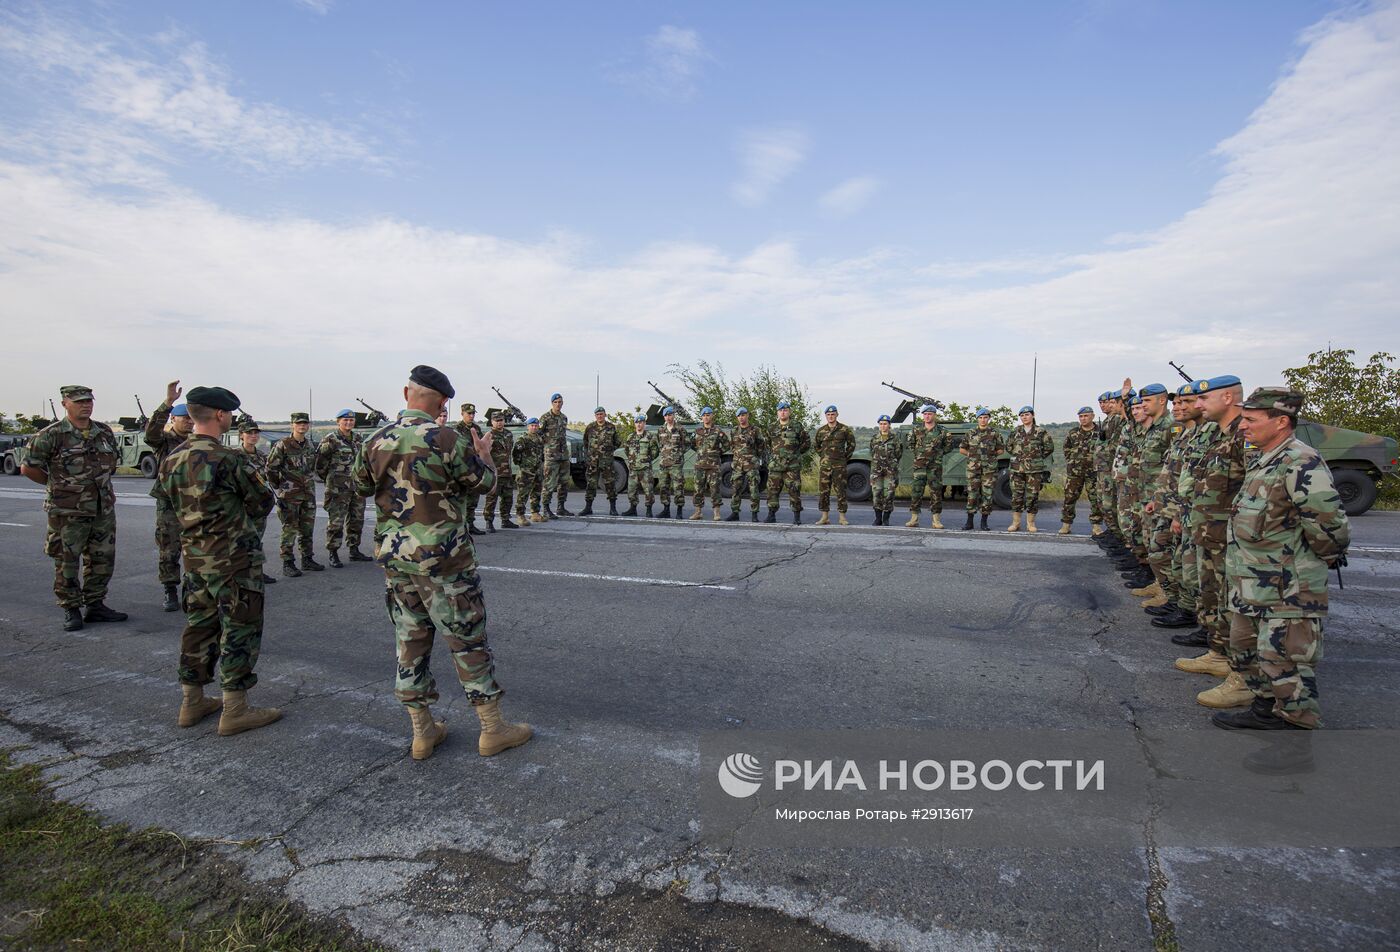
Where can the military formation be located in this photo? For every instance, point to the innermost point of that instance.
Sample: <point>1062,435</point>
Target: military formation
<point>1215,513</point>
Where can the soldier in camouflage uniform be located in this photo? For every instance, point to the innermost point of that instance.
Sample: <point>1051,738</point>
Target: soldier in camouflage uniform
<point>1166,507</point>
<point>1080,475</point>
<point>528,455</point>
<point>599,444</point>
<point>75,458</point>
<point>1126,483</point>
<point>469,428</point>
<point>747,446</point>
<point>554,434</point>
<point>673,441</point>
<point>1110,430</point>
<point>218,498</point>
<point>1152,447</point>
<point>248,433</point>
<point>291,470</point>
<point>834,443</point>
<point>1031,450</point>
<point>1195,440</point>
<point>886,450</point>
<point>711,443</point>
<point>641,450</point>
<point>419,475</point>
<point>1287,531</point>
<point>163,440</point>
<point>788,441</point>
<point>345,511</point>
<point>929,444</point>
<point>501,445</point>
<point>982,447</point>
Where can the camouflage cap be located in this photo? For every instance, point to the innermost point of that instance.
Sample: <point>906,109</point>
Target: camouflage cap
<point>248,425</point>
<point>469,408</point>
<point>1274,398</point>
<point>75,392</point>
<point>300,417</point>
<point>497,415</point>
<point>599,410</point>
<point>216,397</point>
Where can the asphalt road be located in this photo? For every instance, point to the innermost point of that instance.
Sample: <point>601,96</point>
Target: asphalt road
<point>621,641</point>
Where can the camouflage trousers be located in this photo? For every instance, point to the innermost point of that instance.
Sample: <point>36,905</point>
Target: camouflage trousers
<point>167,545</point>
<point>882,487</point>
<point>527,492</point>
<point>789,476</point>
<point>672,482</point>
<point>472,500</point>
<point>706,484</point>
<point>346,512</point>
<point>932,477</point>
<point>980,485</point>
<point>298,519</point>
<point>1106,501</point>
<point>1277,657</point>
<point>260,524</point>
<point>746,483</point>
<point>1129,525</point>
<point>1025,491</point>
<point>1161,543</point>
<point>86,543</point>
<point>223,626</point>
<point>556,479</point>
<point>422,606</point>
<point>600,470</point>
<point>503,492</point>
<point>1210,604</point>
<point>1185,570</point>
<point>640,482</point>
<point>831,481</point>
<point>1088,484</point>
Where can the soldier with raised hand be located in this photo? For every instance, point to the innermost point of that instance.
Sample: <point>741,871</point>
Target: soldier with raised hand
<point>1195,441</point>
<point>419,475</point>
<point>788,441</point>
<point>641,451</point>
<point>218,499</point>
<point>982,447</point>
<point>929,444</point>
<point>834,443</point>
<point>1287,531</point>
<point>256,459</point>
<point>75,458</point>
<point>1031,449</point>
<point>168,427</point>
<point>673,440</point>
<point>1111,407</point>
<point>746,447</point>
<point>599,444</point>
<point>528,454</point>
<point>501,445</point>
<point>554,433</point>
<point>1127,474</point>
<point>345,512</point>
<point>711,443</point>
<point>1080,477</point>
<point>469,428</point>
<point>886,450</point>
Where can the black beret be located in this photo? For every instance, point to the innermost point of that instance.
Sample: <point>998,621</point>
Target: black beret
<point>433,379</point>
<point>215,397</point>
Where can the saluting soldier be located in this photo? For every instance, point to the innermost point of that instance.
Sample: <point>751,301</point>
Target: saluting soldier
<point>248,433</point>
<point>788,441</point>
<point>529,457</point>
<point>1031,448</point>
<point>711,443</point>
<point>345,511</point>
<point>673,440</point>
<point>929,444</point>
<point>468,427</point>
<point>982,447</point>
<point>834,443</point>
<point>641,451</point>
<point>886,450</point>
<point>168,427</point>
<point>746,447</point>
<point>554,434</point>
<point>1080,477</point>
<point>501,445</point>
<point>599,443</point>
<point>291,467</point>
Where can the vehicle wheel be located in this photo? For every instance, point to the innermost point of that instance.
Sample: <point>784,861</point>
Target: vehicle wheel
<point>726,480</point>
<point>148,466</point>
<point>11,467</point>
<point>857,482</point>
<point>1001,490</point>
<point>1357,489</point>
<point>619,476</point>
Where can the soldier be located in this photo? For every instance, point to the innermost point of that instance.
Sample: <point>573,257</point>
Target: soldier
<point>599,444</point>
<point>747,446</point>
<point>168,427</point>
<point>1080,475</point>
<point>419,474</point>
<point>1031,449</point>
<point>291,469</point>
<point>528,454</point>
<point>673,441</point>
<point>641,451</point>
<point>1155,442</point>
<point>75,458</point>
<point>1166,507</point>
<point>218,498</point>
<point>248,433</point>
<point>711,443</point>
<point>1126,473</point>
<point>788,441</point>
<point>834,443</point>
<point>554,434</point>
<point>1110,431</point>
<point>344,510</point>
<point>983,447</point>
<point>469,428</point>
<point>501,445</point>
<point>1196,441</point>
<point>929,444</point>
<point>886,450</point>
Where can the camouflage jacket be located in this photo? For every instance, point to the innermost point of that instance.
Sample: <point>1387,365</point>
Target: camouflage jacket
<point>1081,446</point>
<point>983,447</point>
<point>501,444</point>
<point>886,450</point>
<point>291,469</point>
<point>747,445</point>
<point>80,464</point>
<point>1123,452</point>
<point>528,452</point>
<point>1221,473</point>
<point>157,437</point>
<point>1031,450</point>
<point>1287,528</point>
<point>334,457</point>
<point>674,441</point>
<point>256,460</point>
<point>217,497</point>
<point>929,445</point>
<point>420,475</point>
<point>1168,503</point>
<point>1152,450</point>
<point>1109,431</point>
<point>711,443</point>
<point>600,439</point>
<point>787,442</point>
<point>468,429</point>
<point>554,434</point>
<point>1197,440</point>
<point>835,442</point>
<point>641,450</point>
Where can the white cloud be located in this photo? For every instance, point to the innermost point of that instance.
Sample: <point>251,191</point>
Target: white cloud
<point>670,66</point>
<point>766,158</point>
<point>850,197</point>
<point>320,7</point>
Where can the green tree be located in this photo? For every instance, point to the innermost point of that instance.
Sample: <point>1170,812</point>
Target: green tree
<point>1338,392</point>
<point>759,392</point>
<point>22,423</point>
<point>1002,417</point>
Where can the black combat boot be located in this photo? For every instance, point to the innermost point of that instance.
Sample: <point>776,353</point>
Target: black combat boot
<point>172,598</point>
<point>753,516</point>
<point>680,509</point>
<point>309,564</point>
<point>1141,580</point>
<point>357,556</point>
<point>1177,619</point>
<point>1259,717</point>
<point>612,507</point>
<point>72,619</point>
<point>563,510</point>
<point>471,527</point>
<point>506,523</point>
<point>649,505</point>
<point>490,524</point>
<point>967,526</point>
<point>1192,639</point>
<point>268,579</point>
<point>1168,609</point>
<point>772,515</point>
<point>879,517</point>
<point>101,612</point>
<point>632,510</point>
<point>335,559</point>
<point>797,517</point>
<point>587,508</point>
<point>733,514</point>
<point>665,511</point>
<point>548,512</point>
<point>984,527</point>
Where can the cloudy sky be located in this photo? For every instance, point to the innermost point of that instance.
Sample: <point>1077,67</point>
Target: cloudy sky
<point>282,197</point>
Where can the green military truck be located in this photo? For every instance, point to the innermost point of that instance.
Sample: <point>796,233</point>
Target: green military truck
<point>1359,461</point>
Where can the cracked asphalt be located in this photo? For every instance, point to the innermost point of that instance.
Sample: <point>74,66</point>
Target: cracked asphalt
<point>588,836</point>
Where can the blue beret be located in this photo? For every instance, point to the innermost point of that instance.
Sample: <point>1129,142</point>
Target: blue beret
<point>668,411</point>
<point>784,405</point>
<point>1108,395</point>
<point>555,396</point>
<point>740,411</point>
<point>345,413</point>
<point>1134,400</point>
<point>1186,390</point>
<point>983,411</point>
<point>433,379</point>
<point>1215,383</point>
<point>1026,409</point>
<point>599,410</point>
<point>928,408</point>
<point>884,418</point>
<point>179,409</point>
<point>533,419</point>
<point>705,410</point>
<point>1152,390</point>
<point>639,418</point>
<point>831,409</point>
<point>1086,409</point>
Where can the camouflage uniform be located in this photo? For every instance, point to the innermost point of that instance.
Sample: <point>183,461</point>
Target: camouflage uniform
<point>167,526</point>
<point>674,440</point>
<point>747,446</point>
<point>257,461</point>
<point>291,468</point>
<point>984,448</point>
<point>834,443</point>
<point>469,430</point>
<point>929,445</point>
<point>1109,434</point>
<point>599,442</point>
<point>1168,507</point>
<point>1220,476</point>
<point>1198,439</point>
<point>218,499</point>
<point>1031,451</point>
<point>528,454</point>
<point>711,443</point>
<point>787,442</point>
<point>641,451</point>
<point>82,530</point>
<point>554,430</point>
<point>1124,475</point>
<point>419,475</point>
<point>1081,447</point>
<point>1286,530</point>
<point>344,509</point>
<point>886,450</point>
<point>1156,532</point>
<point>501,445</point>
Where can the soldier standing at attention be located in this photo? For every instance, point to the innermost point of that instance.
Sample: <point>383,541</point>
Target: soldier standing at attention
<point>886,450</point>
<point>834,443</point>
<point>1111,406</point>
<point>746,445</point>
<point>929,444</point>
<point>1287,531</point>
<point>641,450</point>
<point>529,456</point>
<point>554,430</point>
<point>711,443</point>
<point>75,458</point>
<point>1156,441</point>
<point>291,468</point>
<point>163,439</point>
<point>788,441</point>
<point>1165,507</point>
<point>469,428</point>
<point>1080,444</point>
<point>218,499</point>
<point>599,443</point>
<point>983,447</point>
<point>673,441</point>
<point>1196,440</point>
<point>1031,449</point>
<point>344,510</point>
<point>248,433</point>
<point>501,445</point>
<point>419,475</point>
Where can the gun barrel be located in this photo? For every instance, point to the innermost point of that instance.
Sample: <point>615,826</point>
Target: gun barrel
<point>1177,367</point>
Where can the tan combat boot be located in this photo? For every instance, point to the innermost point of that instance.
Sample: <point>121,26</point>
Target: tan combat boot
<point>1232,692</point>
<point>1030,522</point>
<point>1097,530</point>
<point>1150,590</point>
<point>696,514</point>
<point>718,517</point>
<point>913,520</point>
<point>498,734</point>
<point>823,520</point>
<point>427,733</point>
<point>1156,601</point>
<point>841,518</point>
<point>239,717</point>
<point>1015,522</point>
<point>536,517</point>
<point>1212,662</point>
<point>936,522</point>
<point>196,707</point>
<point>1064,528</point>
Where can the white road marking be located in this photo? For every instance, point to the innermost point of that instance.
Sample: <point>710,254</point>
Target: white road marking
<point>676,583</point>
<point>17,525</point>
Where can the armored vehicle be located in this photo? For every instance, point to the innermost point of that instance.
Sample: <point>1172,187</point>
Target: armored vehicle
<point>1359,461</point>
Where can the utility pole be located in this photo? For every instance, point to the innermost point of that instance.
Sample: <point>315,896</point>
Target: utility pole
<point>1035,372</point>
<point>597,390</point>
